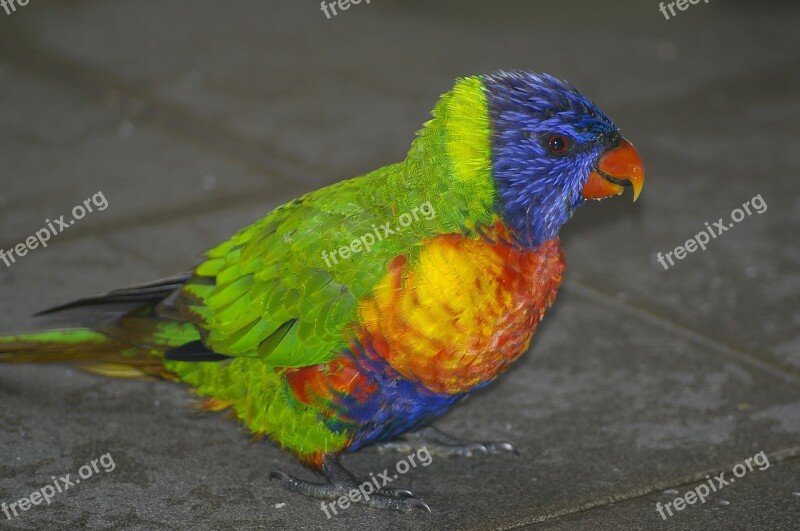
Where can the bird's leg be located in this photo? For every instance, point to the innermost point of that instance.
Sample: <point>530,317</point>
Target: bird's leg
<point>439,443</point>
<point>341,482</point>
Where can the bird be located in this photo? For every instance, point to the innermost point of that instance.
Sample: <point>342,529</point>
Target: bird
<point>359,313</point>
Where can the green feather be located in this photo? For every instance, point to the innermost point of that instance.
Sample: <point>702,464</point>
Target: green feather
<point>275,296</point>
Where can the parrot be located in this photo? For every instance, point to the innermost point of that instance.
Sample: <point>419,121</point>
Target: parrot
<point>359,313</point>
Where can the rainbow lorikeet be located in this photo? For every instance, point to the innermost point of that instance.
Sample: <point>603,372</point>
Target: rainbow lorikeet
<point>358,313</point>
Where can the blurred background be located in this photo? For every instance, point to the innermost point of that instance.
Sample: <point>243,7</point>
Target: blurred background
<point>197,118</point>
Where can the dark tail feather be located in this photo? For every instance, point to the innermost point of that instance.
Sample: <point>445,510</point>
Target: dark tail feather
<point>150,293</point>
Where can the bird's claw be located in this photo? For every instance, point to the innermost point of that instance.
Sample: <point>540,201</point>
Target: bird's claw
<point>341,482</point>
<point>498,447</point>
<point>468,450</point>
<point>410,503</point>
<point>416,503</point>
<point>471,449</point>
<point>444,445</point>
<point>397,493</point>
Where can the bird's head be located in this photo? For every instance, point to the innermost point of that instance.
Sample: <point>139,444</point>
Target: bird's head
<point>551,150</point>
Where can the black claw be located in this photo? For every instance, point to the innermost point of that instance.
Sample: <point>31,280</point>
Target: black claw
<point>419,504</point>
<point>476,447</point>
<point>444,445</point>
<point>398,504</point>
<point>397,493</point>
<point>341,482</point>
<point>497,447</point>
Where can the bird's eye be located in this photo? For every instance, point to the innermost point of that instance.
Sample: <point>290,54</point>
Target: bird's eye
<point>558,144</point>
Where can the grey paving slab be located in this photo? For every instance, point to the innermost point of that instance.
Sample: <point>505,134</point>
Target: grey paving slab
<point>640,380</point>
<point>60,149</point>
<point>761,499</point>
<point>707,155</point>
<point>601,410</point>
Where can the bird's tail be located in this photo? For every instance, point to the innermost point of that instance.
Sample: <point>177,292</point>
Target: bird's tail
<point>55,345</point>
<point>94,351</point>
<point>128,339</point>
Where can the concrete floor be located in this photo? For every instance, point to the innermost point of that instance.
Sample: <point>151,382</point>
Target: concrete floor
<point>194,118</point>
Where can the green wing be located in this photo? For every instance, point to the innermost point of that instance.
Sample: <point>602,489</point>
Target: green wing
<point>269,291</point>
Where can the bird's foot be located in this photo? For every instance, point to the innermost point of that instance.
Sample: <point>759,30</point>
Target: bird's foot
<point>441,444</point>
<point>342,483</point>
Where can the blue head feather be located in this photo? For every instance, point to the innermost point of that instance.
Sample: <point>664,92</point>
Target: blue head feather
<point>538,190</point>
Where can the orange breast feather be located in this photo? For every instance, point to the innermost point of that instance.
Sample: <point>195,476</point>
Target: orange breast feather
<point>463,311</point>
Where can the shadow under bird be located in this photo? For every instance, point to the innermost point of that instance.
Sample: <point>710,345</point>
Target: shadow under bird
<point>323,346</point>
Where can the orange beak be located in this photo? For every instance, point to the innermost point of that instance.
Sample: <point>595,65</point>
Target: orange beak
<point>618,167</point>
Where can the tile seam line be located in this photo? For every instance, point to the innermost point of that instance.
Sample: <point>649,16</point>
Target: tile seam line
<point>788,454</point>
<point>753,360</point>
<point>91,84</point>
